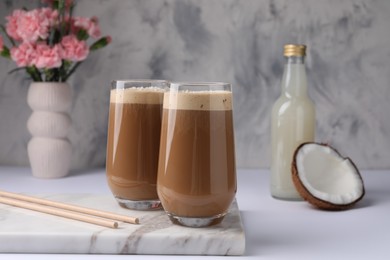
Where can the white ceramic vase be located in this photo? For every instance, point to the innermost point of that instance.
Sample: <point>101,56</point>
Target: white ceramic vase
<point>49,149</point>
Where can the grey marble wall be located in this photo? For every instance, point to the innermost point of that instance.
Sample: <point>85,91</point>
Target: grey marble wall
<point>228,40</point>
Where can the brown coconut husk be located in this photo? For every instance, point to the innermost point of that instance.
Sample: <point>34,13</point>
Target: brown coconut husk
<point>305,193</point>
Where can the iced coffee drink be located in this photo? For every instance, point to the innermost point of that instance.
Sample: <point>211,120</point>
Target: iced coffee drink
<point>197,173</point>
<point>133,142</point>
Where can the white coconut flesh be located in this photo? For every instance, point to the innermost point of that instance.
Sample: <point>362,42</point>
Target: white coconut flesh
<point>327,175</point>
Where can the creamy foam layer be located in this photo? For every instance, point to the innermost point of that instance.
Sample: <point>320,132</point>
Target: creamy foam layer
<point>198,100</point>
<point>137,95</point>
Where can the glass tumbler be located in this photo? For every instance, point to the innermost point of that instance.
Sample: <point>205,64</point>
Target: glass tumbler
<point>133,141</point>
<point>196,180</point>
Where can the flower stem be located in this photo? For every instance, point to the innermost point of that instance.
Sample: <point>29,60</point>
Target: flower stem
<point>34,73</point>
<point>71,71</point>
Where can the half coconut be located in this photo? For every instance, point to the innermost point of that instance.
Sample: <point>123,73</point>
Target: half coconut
<point>324,178</point>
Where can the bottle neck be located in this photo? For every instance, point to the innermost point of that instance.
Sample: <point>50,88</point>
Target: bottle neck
<point>294,82</point>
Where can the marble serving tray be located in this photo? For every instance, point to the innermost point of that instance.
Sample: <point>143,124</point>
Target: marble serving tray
<point>25,231</point>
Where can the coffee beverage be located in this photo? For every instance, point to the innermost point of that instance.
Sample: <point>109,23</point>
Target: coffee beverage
<point>197,173</point>
<point>133,145</point>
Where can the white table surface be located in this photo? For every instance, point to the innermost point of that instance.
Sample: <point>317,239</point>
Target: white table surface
<point>274,229</point>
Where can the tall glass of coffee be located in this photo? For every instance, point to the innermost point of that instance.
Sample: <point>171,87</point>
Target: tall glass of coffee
<point>133,141</point>
<point>196,180</point>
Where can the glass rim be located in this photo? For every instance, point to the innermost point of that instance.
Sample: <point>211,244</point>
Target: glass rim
<point>144,83</point>
<point>140,81</point>
<point>200,83</point>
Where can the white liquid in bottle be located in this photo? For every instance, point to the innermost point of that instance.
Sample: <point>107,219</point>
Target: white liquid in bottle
<point>293,123</point>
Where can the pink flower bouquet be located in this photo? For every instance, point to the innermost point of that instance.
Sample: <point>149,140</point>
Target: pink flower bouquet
<point>48,42</point>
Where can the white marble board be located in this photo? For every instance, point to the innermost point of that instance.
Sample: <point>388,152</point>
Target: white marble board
<point>25,231</point>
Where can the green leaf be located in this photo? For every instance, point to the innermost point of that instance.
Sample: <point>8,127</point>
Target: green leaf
<point>5,53</point>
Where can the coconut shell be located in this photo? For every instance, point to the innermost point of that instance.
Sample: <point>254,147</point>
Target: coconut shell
<point>304,192</point>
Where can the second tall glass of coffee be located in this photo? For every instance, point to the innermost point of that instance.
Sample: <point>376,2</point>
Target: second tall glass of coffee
<point>197,174</point>
<point>133,141</point>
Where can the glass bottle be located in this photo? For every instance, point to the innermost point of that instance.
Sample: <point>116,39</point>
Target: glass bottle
<point>293,122</point>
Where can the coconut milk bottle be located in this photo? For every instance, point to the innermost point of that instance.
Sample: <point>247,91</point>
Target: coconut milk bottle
<point>293,122</point>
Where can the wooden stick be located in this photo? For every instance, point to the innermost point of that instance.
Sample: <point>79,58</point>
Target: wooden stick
<point>59,212</point>
<point>89,211</point>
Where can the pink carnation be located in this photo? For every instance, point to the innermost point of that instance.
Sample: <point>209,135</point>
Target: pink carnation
<point>32,25</point>
<point>73,49</point>
<point>47,57</point>
<point>49,14</point>
<point>90,25</point>
<point>24,55</point>
<point>1,44</point>
<point>12,24</point>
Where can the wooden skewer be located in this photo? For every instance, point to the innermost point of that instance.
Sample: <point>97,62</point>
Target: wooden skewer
<point>69,207</point>
<point>103,214</point>
<point>59,212</point>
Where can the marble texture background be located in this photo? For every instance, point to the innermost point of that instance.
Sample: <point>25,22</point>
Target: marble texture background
<point>227,40</point>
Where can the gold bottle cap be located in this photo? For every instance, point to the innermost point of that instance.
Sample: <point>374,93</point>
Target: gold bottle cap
<point>294,50</point>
